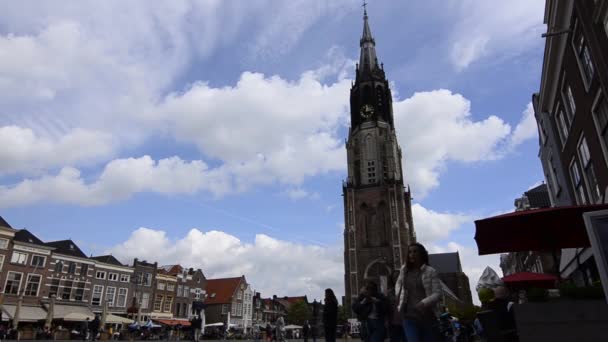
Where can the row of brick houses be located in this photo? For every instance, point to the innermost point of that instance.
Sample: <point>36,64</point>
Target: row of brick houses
<point>33,271</point>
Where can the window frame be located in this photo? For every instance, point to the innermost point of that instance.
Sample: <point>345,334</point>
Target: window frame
<point>4,243</point>
<point>160,286</point>
<point>84,270</point>
<point>579,187</point>
<point>36,256</point>
<point>98,272</point>
<point>601,98</point>
<point>224,309</point>
<point>145,304</point>
<point>110,301</point>
<point>587,162</point>
<point>58,267</point>
<point>568,101</point>
<point>575,41</point>
<point>78,290</point>
<point>158,303</point>
<point>7,280</point>
<point>124,278</point>
<point>118,296</point>
<point>563,129</point>
<point>67,289</point>
<point>94,292</point>
<point>72,268</point>
<point>112,275</point>
<point>16,260</point>
<point>167,303</point>
<point>2,257</point>
<point>28,282</point>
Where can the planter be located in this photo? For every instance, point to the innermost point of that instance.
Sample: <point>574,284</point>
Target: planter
<point>562,320</point>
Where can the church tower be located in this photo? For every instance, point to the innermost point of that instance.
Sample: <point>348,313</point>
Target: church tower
<point>377,207</point>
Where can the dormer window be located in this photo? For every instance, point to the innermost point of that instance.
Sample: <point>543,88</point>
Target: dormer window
<point>71,246</point>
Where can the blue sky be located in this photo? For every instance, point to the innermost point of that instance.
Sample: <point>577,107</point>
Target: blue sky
<point>211,133</point>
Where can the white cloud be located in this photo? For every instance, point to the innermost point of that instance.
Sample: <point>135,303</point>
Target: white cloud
<point>119,180</point>
<point>299,193</point>
<point>494,28</point>
<point>526,128</point>
<point>435,127</point>
<point>25,152</point>
<point>431,225</point>
<point>266,262</point>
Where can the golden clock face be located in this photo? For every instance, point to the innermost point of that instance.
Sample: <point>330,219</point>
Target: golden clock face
<point>367,111</point>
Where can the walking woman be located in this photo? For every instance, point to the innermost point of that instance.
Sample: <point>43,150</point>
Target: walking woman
<point>418,291</point>
<point>330,315</point>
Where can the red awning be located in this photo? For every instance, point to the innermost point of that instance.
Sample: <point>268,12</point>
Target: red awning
<point>182,322</point>
<point>547,229</point>
<point>529,279</point>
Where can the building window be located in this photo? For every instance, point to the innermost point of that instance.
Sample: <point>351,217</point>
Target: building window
<point>562,125</point>
<point>569,101</point>
<point>239,294</point>
<point>32,285</point>
<point>186,291</point>
<point>19,258</point>
<point>110,294</point>
<point>3,243</point>
<point>54,289</point>
<point>1,261</point>
<point>233,309</point>
<point>71,267</point>
<point>224,309</point>
<point>600,113</point>
<point>113,276</point>
<point>588,171</point>
<point>148,279</point>
<point>180,290</point>
<point>84,269</point>
<point>67,290</point>
<point>158,303</point>
<point>239,309</point>
<point>121,300</point>
<point>13,283</point>
<point>96,296</point>
<point>124,278</point>
<point>553,177</point>
<point>145,300</point>
<point>58,266</point>
<point>577,182</point>
<point>38,261</point>
<point>584,56</point>
<point>197,293</point>
<point>79,294</point>
<point>168,304</point>
<point>160,286</point>
<point>178,307</point>
<point>171,287</point>
<point>100,275</point>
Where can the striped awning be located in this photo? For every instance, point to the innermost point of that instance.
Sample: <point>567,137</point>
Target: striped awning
<point>27,313</point>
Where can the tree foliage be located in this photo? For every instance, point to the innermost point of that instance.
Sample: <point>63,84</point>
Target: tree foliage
<point>299,313</point>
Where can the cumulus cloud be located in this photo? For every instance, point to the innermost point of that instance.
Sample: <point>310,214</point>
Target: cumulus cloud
<point>486,29</point>
<point>432,226</point>
<point>119,180</point>
<point>435,127</point>
<point>23,151</point>
<point>526,129</point>
<point>266,262</point>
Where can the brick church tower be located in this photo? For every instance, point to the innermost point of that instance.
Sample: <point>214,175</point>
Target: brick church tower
<point>377,207</point>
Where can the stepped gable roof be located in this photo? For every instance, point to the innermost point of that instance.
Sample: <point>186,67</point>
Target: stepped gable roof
<point>24,235</point>
<point>445,262</point>
<point>3,223</point>
<point>220,291</point>
<point>108,259</point>
<point>67,247</point>
<point>538,197</point>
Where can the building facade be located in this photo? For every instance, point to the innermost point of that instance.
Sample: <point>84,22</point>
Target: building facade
<point>571,110</point>
<point>143,287</point>
<point>225,300</point>
<point>164,295</point>
<point>113,281</point>
<point>450,272</point>
<point>377,208</point>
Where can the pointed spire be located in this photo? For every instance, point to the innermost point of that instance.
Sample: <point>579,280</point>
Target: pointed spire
<point>368,60</point>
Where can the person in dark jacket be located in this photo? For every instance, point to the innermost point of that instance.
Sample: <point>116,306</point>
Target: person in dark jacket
<point>306,331</point>
<point>371,308</point>
<point>84,329</point>
<point>330,315</point>
<point>94,327</point>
